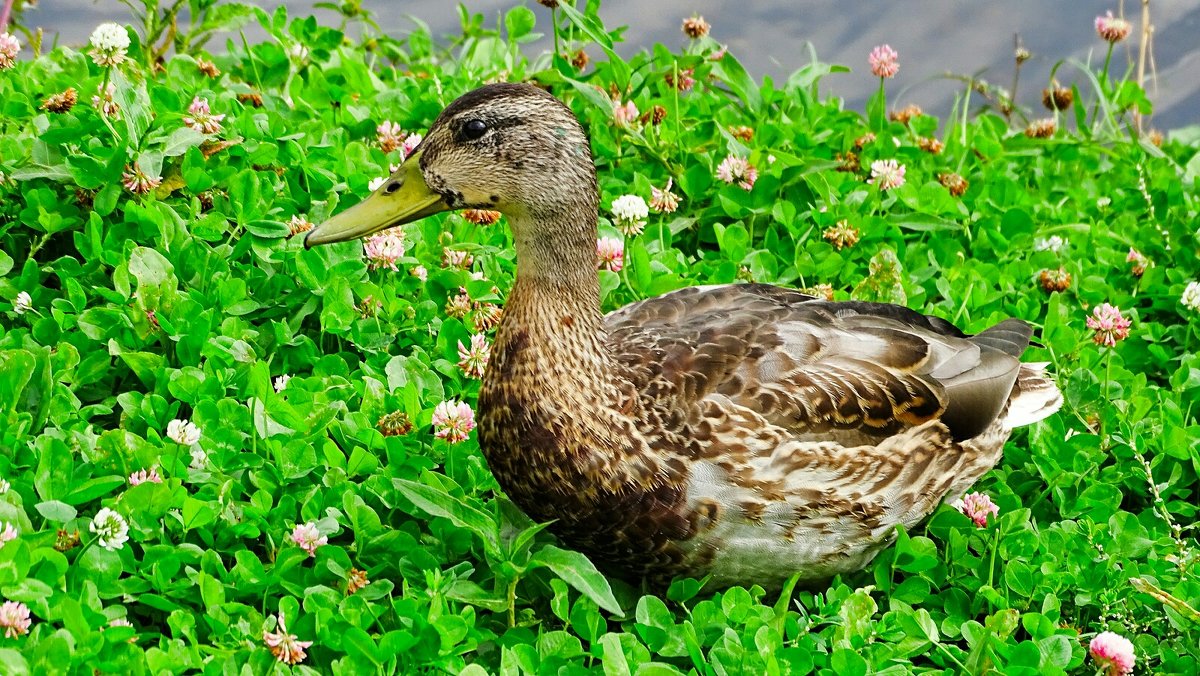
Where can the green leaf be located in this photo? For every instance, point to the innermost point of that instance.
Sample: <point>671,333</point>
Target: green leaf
<point>155,277</point>
<point>135,105</point>
<point>439,503</point>
<point>13,662</point>
<point>268,229</point>
<point>613,656</point>
<point>637,261</point>
<point>16,368</point>
<point>212,592</point>
<point>56,511</point>
<point>52,478</point>
<point>359,642</point>
<point>230,16</point>
<point>847,662</point>
<point>590,26</point>
<point>922,222</point>
<point>87,171</point>
<point>1018,575</point>
<point>857,617</point>
<point>578,571</point>
<point>1130,537</point>
<point>147,366</point>
<point>197,514</point>
<point>180,141</point>
<point>916,554</point>
<point>731,72</point>
<point>100,567</point>
<point>519,21</point>
<point>591,94</point>
<point>1056,651</point>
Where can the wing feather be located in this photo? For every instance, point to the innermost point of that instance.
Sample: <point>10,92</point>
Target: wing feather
<point>810,365</point>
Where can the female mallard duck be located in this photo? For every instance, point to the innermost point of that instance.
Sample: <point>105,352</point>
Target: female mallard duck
<point>745,431</point>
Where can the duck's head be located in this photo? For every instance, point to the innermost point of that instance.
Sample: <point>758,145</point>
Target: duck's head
<point>512,148</point>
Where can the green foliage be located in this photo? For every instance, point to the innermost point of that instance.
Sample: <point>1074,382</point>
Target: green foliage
<point>189,302</point>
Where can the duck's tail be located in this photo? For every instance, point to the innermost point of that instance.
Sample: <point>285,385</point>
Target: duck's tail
<point>1034,396</point>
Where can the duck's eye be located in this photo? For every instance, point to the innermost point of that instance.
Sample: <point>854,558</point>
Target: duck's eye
<point>474,129</point>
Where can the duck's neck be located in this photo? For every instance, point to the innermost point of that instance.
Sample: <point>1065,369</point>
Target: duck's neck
<point>553,310</point>
<point>553,411</point>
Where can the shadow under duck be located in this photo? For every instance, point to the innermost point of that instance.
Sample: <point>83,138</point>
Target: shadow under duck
<point>745,431</point>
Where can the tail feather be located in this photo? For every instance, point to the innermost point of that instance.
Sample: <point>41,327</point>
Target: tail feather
<point>1034,396</point>
<point>1010,336</point>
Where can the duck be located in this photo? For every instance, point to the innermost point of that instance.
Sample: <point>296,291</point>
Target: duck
<point>744,433</point>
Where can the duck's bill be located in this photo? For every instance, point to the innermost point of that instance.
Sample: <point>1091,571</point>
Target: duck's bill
<point>403,198</point>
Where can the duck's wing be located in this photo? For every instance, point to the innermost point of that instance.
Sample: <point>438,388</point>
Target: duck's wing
<point>811,429</point>
<point>859,371</point>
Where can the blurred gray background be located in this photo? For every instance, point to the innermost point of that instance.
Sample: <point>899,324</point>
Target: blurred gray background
<point>769,36</point>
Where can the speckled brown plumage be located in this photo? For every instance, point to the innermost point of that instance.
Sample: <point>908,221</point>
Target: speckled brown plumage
<point>747,431</point>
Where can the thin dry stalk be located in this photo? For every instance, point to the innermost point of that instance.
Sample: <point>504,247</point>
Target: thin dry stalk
<point>1020,56</point>
<point>1143,51</point>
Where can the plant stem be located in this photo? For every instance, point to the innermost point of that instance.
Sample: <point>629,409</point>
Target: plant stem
<point>882,114</point>
<point>86,546</point>
<point>5,12</point>
<point>554,25</point>
<point>947,653</point>
<point>512,602</point>
<point>1107,379</point>
<point>103,100</point>
<point>992,565</point>
<point>1143,46</point>
<point>1016,75</point>
<point>41,241</point>
<point>1104,74</point>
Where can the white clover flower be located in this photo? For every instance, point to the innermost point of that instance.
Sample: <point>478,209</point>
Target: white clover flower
<point>144,476</point>
<point>23,303</point>
<point>298,53</point>
<point>4,486</point>
<point>664,201</point>
<point>110,36</point>
<point>10,46</point>
<point>109,43</point>
<point>286,647</point>
<point>887,174</point>
<point>739,170</point>
<point>630,213</point>
<point>410,144</point>
<point>1052,243</point>
<point>453,421</point>
<point>8,533</point>
<point>199,458</point>
<point>281,382</point>
<point>111,529</point>
<point>630,208</point>
<point>1191,296</point>
<point>390,135</point>
<point>120,622</point>
<point>384,249</point>
<point>473,359</point>
<point>309,537</point>
<point>201,118</point>
<point>375,183</point>
<point>104,103</point>
<point>14,619</point>
<point>183,432</point>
